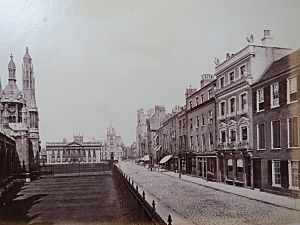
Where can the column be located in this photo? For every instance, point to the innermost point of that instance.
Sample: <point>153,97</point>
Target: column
<point>217,169</point>
<point>224,168</point>
<point>234,169</point>
<point>244,171</point>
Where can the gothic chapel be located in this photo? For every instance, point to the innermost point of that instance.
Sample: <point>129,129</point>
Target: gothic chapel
<point>19,112</point>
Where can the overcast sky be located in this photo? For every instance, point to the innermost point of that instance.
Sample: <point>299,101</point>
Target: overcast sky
<point>96,61</point>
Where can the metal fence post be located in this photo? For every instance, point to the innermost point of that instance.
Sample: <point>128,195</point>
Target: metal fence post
<point>153,204</point>
<point>169,220</point>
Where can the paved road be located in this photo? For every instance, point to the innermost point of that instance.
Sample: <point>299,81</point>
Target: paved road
<point>65,200</point>
<point>203,205</point>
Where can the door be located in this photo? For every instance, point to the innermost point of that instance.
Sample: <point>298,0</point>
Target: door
<point>257,173</point>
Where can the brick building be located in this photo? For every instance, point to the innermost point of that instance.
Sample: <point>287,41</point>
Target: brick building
<point>276,113</point>
<point>200,113</point>
<point>233,108</point>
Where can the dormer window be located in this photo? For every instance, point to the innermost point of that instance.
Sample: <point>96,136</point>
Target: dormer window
<point>243,70</point>
<point>197,101</point>
<point>231,76</point>
<point>202,98</point>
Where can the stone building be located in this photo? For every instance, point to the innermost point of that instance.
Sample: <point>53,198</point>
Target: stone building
<point>153,124</point>
<point>233,108</point>
<point>114,143</point>
<point>167,143</point>
<point>19,112</point>
<point>200,132</point>
<point>276,139</point>
<point>78,150</point>
<point>141,131</point>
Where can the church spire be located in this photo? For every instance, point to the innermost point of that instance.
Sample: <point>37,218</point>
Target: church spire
<point>11,69</point>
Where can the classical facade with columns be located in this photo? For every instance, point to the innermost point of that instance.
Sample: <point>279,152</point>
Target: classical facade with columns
<point>19,112</point>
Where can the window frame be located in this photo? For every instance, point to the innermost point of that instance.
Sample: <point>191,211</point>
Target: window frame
<point>220,109</point>
<point>210,117</point>
<point>245,110</point>
<point>288,132</point>
<point>258,100</point>
<point>232,129</point>
<point>240,74</point>
<point>221,141</point>
<point>258,136</point>
<point>220,84</point>
<point>291,175</point>
<point>273,173</point>
<point>229,73</point>
<point>241,133</point>
<point>229,103</point>
<point>271,95</point>
<point>272,141</point>
<point>288,89</point>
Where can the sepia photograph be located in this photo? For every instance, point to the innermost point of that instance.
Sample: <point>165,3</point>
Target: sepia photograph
<point>149,112</point>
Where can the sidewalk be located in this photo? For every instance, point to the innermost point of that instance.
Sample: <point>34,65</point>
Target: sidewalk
<point>162,210</point>
<point>255,194</point>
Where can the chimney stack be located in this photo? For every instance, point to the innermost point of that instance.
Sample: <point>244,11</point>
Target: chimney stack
<point>267,38</point>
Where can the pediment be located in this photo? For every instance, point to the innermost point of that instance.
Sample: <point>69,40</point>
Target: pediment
<point>222,125</point>
<point>232,123</point>
<point>243,120</point>
<point>74,144</point>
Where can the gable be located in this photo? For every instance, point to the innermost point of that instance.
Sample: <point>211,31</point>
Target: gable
<point>74,144</point>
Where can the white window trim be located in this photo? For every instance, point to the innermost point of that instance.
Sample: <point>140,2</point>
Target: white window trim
<point>288,89</point>
<point>202,94</point>
<point>244,125</point>
<point>210,117</point>
<point>234,79</point>
<point>240,103</point>
<point>208,97</point>
<point>229,136</point>
<point>257,100</point>
<point>257,138</point>
<point>246,69</point>
<point>288,132</point>
<point>220,115</point>
<point>220,82</point>
<point>220,137</point>
<point>202,117</point>
<point>271,96</point>
<point>272,142</point>
<point>229,106</point>
<point>290,175</point>
<point>191,104</point>
<point>273,174</point>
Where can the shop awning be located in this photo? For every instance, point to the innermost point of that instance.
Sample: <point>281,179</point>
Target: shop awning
<point>165,159</point>
<point>158,148</point>
<point>145,158</point>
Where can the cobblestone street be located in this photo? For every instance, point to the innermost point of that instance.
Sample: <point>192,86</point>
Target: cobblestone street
<point>203,205</point>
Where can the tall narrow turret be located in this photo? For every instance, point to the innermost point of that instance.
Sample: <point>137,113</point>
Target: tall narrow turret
<point>27,77</point>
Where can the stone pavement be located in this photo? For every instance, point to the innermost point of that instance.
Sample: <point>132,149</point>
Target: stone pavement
<point>256,194</point>
<point>198,204</point>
